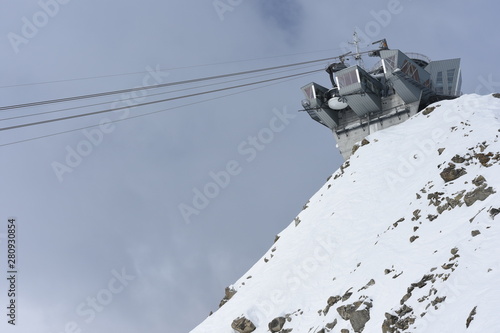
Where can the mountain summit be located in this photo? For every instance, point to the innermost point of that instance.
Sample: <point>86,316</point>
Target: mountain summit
<point>404,237</point>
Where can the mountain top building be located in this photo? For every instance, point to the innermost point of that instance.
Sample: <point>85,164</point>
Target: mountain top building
<point>361,102</point>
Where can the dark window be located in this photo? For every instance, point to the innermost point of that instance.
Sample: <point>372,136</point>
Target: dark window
<point>439,83</point>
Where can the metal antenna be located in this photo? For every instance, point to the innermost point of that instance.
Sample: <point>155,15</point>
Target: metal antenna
<point>357,56</point>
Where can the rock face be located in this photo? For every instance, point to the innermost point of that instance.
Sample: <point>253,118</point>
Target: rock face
<point>243,325</point>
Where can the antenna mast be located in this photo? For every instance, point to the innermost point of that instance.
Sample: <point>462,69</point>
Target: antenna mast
<point>357,56</point>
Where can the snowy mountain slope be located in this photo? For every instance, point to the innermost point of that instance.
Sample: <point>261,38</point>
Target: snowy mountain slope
<point>404,237</point>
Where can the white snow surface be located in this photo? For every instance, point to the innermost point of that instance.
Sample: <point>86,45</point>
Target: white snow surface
<point>348,235</point>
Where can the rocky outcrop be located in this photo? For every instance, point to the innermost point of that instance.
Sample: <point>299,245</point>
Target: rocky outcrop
<point>428,110</point>
<point>243,325</point>
<point>277,324</point>
<point>471,317</point>
<point>357,318</point>
<point>331,302</point>
<point>451,173</point>
<point>229,293</point>
<point>480,193</point>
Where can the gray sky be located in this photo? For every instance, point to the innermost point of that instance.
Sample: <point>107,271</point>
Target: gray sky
<point>115,211</point>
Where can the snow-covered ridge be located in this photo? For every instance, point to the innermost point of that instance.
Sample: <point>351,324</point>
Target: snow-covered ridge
<point>404,237</point>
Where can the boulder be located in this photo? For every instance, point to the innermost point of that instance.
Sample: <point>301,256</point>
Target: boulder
<point>480,193</point>
<point>359,319</point>
<point>277,324</point>
<point>450,173</point>
<point>243,325</point>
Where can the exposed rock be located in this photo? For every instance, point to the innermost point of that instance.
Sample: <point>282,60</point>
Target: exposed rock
<point>448,266</point>
<point>364,142</point>
<point>405,309</point>
<point>472,313</point>
<point>276,238</point>
<point>440,150</point>
<point>494,212</point>
<point>396,324</point>
<point>297,221</point>
<point>355,148</point>
<point>474,233</point>
<point>480,193</point>
<point>483,158</point>
<point>497,95</point>
<point>450,173</point>
<point>458,159</point>
<point>416,215</point>
<point>346,296</point>
<point>344,330</point>
<point>306,205</point>
<point>359,319</point>
<point>395,224</point>
<point>229,293</point>
<point>331,325</point>
<point>435,198</point>
<point>345,311</point>
<point>332,300</point>
<point>479,180</point>
<point>243,325</point>
<point>368,285</point>
<point>344,166</point>
<point>438,300</point>
<point>431,217</point>
<point>405,323</point>
<point>413,238</point>
<point>277,324</point>
<point>451,203</point>
<point>423,282</point>
<point>428,110</point>
<point>405,298</point>
<point>389,323</point>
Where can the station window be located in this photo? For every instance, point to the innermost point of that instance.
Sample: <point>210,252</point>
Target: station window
<point>451,74</point>
<point>310,92</point>
<point>347,79</point>
<point>411,70</point>
<point>439,83</point>
<point>390,63</point>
